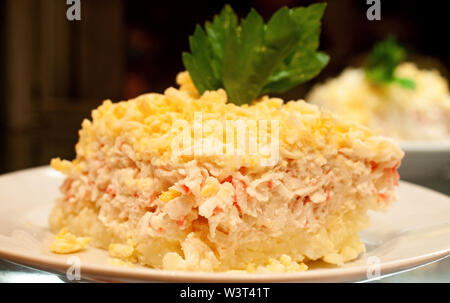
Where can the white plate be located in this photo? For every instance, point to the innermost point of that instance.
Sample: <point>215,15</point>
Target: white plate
<point>424,159</point>
<point>414,232</point>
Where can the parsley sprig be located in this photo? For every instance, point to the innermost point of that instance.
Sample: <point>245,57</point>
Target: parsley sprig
<point>249,58</point>
<point>382,62</point>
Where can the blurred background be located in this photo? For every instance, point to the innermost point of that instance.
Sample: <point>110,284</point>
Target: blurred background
<point>53,72</point>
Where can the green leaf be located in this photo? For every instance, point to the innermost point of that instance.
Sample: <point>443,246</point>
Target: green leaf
<point>303,67</point>
<point>255,52</point>
<point>251,58</point>
<point>308,20</point>
<point>383,61</point>
<point>199,62</point>
<point>304,63</point>
<point>406,83</point>
<point>217,32</point>
<point>241,52</point>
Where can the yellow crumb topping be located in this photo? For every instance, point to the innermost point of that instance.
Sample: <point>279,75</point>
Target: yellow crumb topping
<point>281,265</point>
<point>211,187</point>
<point>126,252</point>
<point>66,243</point>
<point>119,262</point>
<point>150,124</point>
<point>285,264</point>
<point>63,166</point>
<point>169,195</point>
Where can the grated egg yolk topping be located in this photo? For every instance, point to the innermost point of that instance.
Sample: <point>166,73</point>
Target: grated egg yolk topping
<point>66,243</point>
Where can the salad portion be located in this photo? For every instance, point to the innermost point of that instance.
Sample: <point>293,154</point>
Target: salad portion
<point>391,96</point>
<point>159,181</point>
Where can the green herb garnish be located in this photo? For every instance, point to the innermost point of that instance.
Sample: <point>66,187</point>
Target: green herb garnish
<point>382,62</point>
<point>251,58</point>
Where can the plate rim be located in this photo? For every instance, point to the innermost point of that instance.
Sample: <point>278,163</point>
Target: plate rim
<point>99,271</point>
<point>436,146</point>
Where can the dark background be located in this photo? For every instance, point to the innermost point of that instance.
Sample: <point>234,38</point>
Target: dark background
<point>53,72</point>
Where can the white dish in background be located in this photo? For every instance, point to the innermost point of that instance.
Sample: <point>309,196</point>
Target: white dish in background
<point>424,159</point>
<point>414,232</point>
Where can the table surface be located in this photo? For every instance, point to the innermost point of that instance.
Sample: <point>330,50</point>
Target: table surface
<point>435,272</point>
